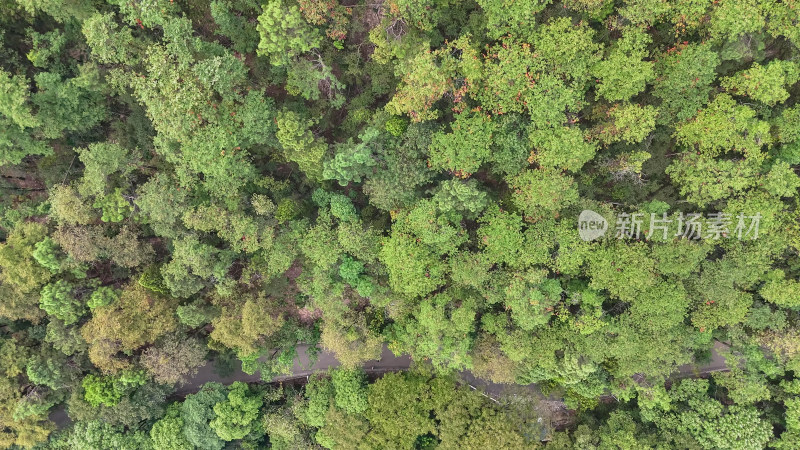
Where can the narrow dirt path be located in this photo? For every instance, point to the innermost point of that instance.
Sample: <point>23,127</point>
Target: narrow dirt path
<point>302,368</point>
<point>388,362</point>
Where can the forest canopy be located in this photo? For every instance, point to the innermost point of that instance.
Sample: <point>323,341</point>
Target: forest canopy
<point>196,183</point>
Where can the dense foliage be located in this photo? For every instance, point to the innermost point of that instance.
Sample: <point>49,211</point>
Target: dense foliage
<point>187,181</point>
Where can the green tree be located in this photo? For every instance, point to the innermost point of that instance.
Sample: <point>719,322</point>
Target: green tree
<point>14,102</point>
<point>196,314</point>
<point>110,43</point>
<point>99,435</point>
<point>400,409</point>
<point>20,268</point>
<point>623,73</point>
<point>683,79</point>
<point>414,270</point>
<point>67,207</point>
<point>236,416</point>
<point>174,359</point>
<point>197,411</point>
<point>72,105</point>
<point>167,432</point>
<point>781,291</point>
<point>350,390</point>
<point>466,147</point>
<point>231,18</point>
<point>500,236</point>
<point>247,326</point>
<point>101,390</point>
<point>517,18</point>
<point>429,77</point>
<point>101,162</point>
<point>626,123</point>
<point>352,161</point>
<point>466,197</point>
<point>284,33</point>
<point>541,193</point>
<point>735,128</point>
<point>51,369</point>
<point>561,148</point>
<point>46,254</point>
<point>193,262</point>
<point>138,318</point>
<point>690,420</point>
<point>351,339</point>
<point>17,121</point>
<point>319,392</point>
<point>440,331</point>
<point>59,301</point>
<point>766,84</point>
<point>299,144</point>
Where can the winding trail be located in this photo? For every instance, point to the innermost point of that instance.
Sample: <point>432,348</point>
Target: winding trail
<point>302,368</point>
<point>388,362</point>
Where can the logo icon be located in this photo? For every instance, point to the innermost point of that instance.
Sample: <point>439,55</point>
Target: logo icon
<point>591,225</point>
